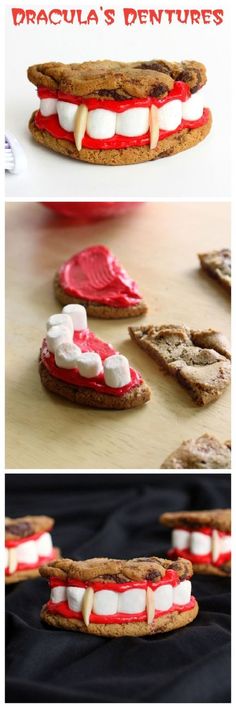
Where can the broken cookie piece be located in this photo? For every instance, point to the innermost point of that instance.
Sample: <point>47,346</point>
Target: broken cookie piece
<point>198,359</point>
<point>115,598</point>
<point>205,452</point>
<point>218,265</point>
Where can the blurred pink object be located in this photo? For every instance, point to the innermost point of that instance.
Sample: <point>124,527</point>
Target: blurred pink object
<point>91,211</point>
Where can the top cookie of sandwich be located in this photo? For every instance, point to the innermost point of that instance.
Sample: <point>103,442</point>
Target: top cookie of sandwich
<point>118,571</point>
<point>214,518</point>
<point>24,526</point>
<point>117,80</point>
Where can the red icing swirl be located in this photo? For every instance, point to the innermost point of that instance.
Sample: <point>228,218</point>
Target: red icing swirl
<point>95,274</point>
<point>88,342</point>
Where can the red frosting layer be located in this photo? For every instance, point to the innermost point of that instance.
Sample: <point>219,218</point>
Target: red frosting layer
<point>95,274</point>
<point>52,125</point>
<point>11,543</point>
<point>31,566</point>
<point>175,553</point>
<point>180,91</point>
<point>170,578</point>
<point>61,608</point>
<point>88,342</point>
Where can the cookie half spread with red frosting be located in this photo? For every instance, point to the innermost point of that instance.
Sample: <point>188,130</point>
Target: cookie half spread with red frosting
<point>79,366</point>
<point>95,278</point>
<point>28,545</point>
<point>117,598</point>
<point>203,537</point>
<point>115,113</point>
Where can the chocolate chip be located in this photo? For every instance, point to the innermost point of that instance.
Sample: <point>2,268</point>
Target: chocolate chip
<point>112,93</point>
<point>22,528</point>
<point>158,90</point>
<point>153,575</point>
<point>154,66</point>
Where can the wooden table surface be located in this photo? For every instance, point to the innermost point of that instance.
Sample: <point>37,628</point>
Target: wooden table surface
<point>157,244</point>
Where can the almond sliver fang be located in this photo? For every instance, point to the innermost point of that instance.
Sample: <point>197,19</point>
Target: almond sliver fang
<point>154,127</point>
<point>80,125</point>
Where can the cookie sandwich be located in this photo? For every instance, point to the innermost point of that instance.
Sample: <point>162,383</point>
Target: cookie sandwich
<point>198,359</point>
<point>95,278</point>
<point>202,537</point>
<point>114,113</point>
<point>205,452</point>
<point>116,598</point>
<point>77,365</point>
<point>28,545</point>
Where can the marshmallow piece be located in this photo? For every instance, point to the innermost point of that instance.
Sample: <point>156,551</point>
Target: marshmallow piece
<point>78,315</point>
<point>48,106</point>
<point>89,365</point>
<point>58,594</point>
<point>27,553</point>
<point>200,543</point>
<point>133,122</point>
<point>6,558</point>
<point>67,355</point>
<point>60,319</point>
<point>101,124</point>
<point>44,545</point>
<point>170,115</point>
<point>182,593</point>
<point>132,601</point>
<point>192,109</point>
<point>180,539</point>
<point>116,371</point>
<point>105,602</point>
<point>58,335</point>
<point>225,544</point>
<point>75,598</point>
<point>164,597</point>
<point>66,115</point>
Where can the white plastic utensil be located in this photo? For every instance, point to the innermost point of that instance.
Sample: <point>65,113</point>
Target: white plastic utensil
<point>15,159</point>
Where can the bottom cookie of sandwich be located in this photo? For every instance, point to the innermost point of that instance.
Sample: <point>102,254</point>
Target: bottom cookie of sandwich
<point>87,397</point>
<point>165,623</point>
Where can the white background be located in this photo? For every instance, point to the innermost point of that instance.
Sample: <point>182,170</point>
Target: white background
<point>202,172</point>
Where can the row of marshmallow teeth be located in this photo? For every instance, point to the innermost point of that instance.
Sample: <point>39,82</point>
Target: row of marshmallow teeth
<point>102,124</point>
<point>108,602</point>
<point>201,544</point>
<point>60,330</point>
<point>28,552</point>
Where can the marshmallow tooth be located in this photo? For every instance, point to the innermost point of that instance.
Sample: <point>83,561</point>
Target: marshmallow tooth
<point>87,605</point>
<point>60,319</point>
<point>89,365</point>
<point>101,124</point>
<point>182,593</point>
<point>67,355</point>
<point>150,605</point>
<point>48,106</point>
<point>154,127</point>
<point>58,594</point>
<point>12,560</point>
<point>75,598</point>
<point>116,371</point>
<point>58,335</point>
<point>80,125</point>
<point>215,545</point>
<point>66,115</point>
<point>78,315</point>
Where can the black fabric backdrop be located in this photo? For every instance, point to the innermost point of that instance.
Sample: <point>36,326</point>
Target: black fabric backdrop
<point>116,515</point>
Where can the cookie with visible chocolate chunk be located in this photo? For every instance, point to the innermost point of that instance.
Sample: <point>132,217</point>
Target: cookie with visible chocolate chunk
<point>218,265</point>
<point>198,359</point>
<point>28,545</point>
<point>92,86</point>
<point>115,598</point>
<point>203,537</point>
<point>206,452</point>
